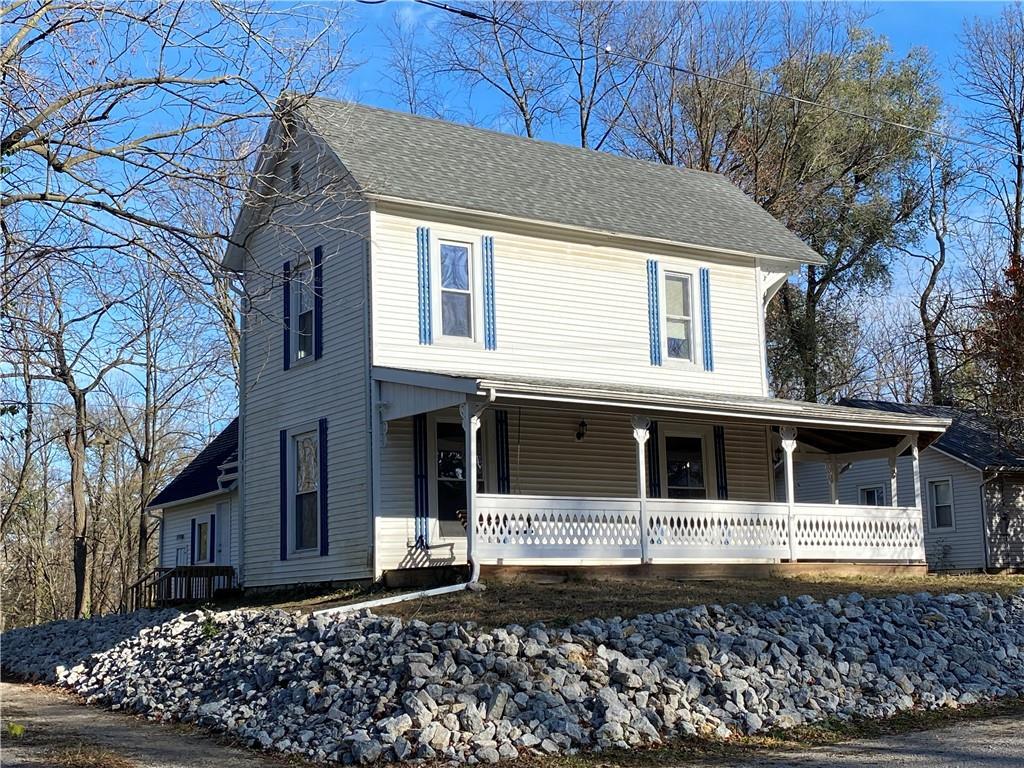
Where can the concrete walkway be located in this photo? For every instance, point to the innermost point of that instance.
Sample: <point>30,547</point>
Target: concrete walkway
<point>53,720</point>
<point>995,743</point>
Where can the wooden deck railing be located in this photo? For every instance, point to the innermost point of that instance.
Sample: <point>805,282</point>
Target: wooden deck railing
<point>182,584</point>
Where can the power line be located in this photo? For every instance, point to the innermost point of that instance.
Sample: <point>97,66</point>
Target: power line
<point>518,30</point>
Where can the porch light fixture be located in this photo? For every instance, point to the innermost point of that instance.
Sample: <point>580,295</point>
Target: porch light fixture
<point>581,431</point>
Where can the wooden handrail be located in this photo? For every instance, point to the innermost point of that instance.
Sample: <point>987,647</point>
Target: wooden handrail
<point>181,584</point>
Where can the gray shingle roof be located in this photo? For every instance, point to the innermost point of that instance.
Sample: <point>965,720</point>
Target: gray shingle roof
<point>200,476</point>
<point>971,438</point>
<point>414,158</point>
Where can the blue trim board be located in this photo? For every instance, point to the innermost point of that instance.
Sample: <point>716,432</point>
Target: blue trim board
<point>654,311</point>
<point>318,302</point>
<point>490,337</point>
<point>423,278</point>
<point>653,461</point>
<point>721,474</point>
<point>501,440</point>
<point>286,312</point>
<point>284,495</point>
<point>705,317</point>
<point>420,484</point>
<point>192,545</point>
<point>322,490</point>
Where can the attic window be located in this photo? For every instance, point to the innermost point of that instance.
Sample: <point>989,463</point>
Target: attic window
<point>296,176</point>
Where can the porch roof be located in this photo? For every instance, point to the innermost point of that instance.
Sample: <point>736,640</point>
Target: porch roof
<point>819,425</point>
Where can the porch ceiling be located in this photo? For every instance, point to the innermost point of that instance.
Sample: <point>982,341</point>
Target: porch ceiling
<point>825,427</point>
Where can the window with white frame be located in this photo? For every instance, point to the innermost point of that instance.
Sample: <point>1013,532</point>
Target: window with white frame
<point>303,326</point>
<point>202,553</point>
<point>456,282</point>
<point>306,481</point>
<point>872,496</point>
<point>940,502</point>
<point>679,316</point>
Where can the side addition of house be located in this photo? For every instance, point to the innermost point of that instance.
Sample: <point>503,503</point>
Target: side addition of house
<point>463,346</point>
<point>972,490</point>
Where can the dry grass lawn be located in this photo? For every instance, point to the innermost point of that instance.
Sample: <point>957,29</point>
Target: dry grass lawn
<point>88,756</point>
<point>524,602</point>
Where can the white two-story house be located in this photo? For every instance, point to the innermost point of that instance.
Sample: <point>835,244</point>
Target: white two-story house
<point>465,346</point>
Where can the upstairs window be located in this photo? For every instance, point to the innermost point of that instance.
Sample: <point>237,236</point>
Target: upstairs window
<point>940,503</point>
<point>305,512</point>
<point>456,289</point>
<point>296,176</point>
<point>679,316</point>
<point>303,325</point>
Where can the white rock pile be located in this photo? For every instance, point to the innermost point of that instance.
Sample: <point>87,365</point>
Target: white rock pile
<point>365,688</point>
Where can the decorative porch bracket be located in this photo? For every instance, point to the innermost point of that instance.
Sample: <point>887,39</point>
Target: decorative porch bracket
<point>788,435</point>
<point>641,432</point>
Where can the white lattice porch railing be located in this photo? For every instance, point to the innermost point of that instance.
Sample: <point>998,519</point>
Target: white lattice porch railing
<point>842,532</point>
<point>557,529</point>
<point>716,530</point>
<point>560,530</point>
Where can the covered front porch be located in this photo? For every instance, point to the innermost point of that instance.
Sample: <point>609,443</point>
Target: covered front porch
<point>522,473</point>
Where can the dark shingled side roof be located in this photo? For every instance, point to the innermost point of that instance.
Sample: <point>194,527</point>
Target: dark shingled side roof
<point>200,476</point>
<point>971,438</point>
<point>421,160</point>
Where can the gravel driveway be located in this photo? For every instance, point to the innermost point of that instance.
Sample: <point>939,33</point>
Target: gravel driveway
<point>52,719</point>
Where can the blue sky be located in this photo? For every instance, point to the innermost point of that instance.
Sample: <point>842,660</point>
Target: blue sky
<point>933,25</point>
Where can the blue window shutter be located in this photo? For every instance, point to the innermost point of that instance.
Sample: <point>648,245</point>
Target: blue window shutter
<point>653,462</point>
<point>322,495</point>
<point>705,318</point>
<point>284,494</point>
<point>423,276</point>
<point>213,538</point>
<point>420,483</point>
<point>490,337</point>
<point>720,470</point>
<point>501,441</point>
<point>654,311</point>
<point>318,302</point>
<point>192,545</point>
<point>286,312</point>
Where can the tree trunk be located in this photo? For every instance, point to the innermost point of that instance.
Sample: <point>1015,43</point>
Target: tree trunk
<point>75,438</point>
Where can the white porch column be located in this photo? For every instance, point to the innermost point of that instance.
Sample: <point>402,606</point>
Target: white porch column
<point>893,488</point>
<point>641,432</point>
<point>788,435</point>
<point>470,425</point>
<point>916,468</point>
<point>833,479</point>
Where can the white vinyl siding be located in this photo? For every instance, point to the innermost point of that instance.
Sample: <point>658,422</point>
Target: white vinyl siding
<point>335,387</point>
<point>563,309</point>
<point>946,549</point>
